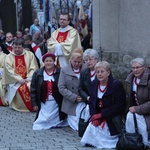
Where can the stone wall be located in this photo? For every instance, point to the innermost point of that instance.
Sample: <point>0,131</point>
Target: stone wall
<point>121,32</point>
<point>120,62</point>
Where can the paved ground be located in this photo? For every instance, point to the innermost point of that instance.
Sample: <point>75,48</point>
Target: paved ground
<point>16,134</point>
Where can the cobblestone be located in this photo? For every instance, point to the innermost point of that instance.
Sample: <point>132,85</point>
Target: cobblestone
<point>16,134</point>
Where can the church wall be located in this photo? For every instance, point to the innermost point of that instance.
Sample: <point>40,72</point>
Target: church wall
<point>122,29</point>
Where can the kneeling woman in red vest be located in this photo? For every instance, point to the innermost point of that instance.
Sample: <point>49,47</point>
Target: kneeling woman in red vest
<point>45,97</point>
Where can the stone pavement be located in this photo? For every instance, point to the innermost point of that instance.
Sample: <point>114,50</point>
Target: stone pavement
<point>16,134</point>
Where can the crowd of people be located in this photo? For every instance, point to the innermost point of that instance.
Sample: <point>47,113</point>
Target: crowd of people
<point>59,82</point>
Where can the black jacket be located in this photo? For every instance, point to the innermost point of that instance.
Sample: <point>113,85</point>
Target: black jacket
<point>113,100</point>
<point>85,84</point>
<point>36,90</point>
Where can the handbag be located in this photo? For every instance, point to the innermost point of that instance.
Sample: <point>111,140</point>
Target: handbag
<point>131,141</point>
<point>82,125</point>
<point>118,122</point>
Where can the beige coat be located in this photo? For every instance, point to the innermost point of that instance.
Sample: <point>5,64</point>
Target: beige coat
<point>68,86</point>
<point>143,95</point>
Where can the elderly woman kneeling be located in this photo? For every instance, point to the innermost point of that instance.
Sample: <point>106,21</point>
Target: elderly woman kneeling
<point>107,99</point>
<point>138,99</point>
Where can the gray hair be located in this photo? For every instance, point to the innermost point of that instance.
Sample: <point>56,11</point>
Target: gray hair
<point>91,53</point>
<point>103,64</point>
<point>19,41</point>
<point>138,60</point>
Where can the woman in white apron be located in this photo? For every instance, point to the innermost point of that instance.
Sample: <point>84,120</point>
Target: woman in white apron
<point>107,99</point>
<point>138,91</point>
<point>46,99</point>
<point>68,87</point>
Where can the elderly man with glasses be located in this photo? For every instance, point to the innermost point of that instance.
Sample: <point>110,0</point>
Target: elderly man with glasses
<point>64,40</point>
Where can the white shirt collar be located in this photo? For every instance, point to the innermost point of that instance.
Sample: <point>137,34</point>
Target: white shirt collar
<point>64,29</point>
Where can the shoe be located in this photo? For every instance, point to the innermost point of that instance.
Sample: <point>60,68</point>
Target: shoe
<point>89,145</point>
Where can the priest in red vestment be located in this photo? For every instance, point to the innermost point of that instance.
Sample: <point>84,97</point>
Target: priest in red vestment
<point>64,40</point>
<point>19,67</point>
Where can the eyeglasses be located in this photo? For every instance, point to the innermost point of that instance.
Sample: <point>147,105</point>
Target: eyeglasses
<point>101,72</point>
<point>138,67</point>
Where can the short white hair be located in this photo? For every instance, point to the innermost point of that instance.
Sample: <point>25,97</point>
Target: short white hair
<point>103,64</point>
<point>91,53</point>
<point>138,60</point>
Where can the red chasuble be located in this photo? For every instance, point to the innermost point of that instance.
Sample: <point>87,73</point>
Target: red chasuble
<point>61,37</point>
<point>23,89</point>
<point>1,103</point>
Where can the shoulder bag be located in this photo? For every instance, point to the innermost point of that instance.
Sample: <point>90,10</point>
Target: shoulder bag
<point>131,141</point>
<point>82,125</point>
<point>117,120</point>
